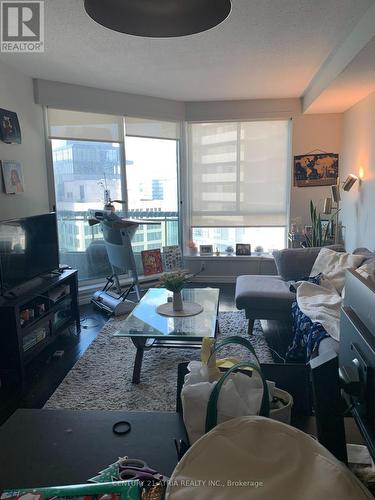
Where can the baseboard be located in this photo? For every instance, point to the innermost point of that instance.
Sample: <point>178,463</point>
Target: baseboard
<point>214,279</point>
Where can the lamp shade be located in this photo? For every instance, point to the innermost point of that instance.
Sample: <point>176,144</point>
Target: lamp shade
<point>327,206</point>
<point>336,193</point>
<point>158,18</point>
<point>349,182</point>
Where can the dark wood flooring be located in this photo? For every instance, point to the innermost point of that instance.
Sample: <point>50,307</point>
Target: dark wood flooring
<point>46,373</point>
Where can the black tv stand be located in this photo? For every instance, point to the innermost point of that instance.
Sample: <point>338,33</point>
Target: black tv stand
<point>31,321</point>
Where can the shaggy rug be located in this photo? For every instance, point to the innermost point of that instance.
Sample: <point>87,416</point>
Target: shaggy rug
<point>101,379</point>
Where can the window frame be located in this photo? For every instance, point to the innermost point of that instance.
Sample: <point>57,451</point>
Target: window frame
<point>186,179</point>
<point>122,149</point>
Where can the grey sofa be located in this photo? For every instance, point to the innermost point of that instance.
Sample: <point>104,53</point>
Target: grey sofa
<point>269,297</point>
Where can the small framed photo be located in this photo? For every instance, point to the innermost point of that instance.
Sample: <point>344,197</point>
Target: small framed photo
<point>13,177</point>
<point>243,249</point>
<point>206,249</point>
<point>10,131</point>
<point>328,227</point>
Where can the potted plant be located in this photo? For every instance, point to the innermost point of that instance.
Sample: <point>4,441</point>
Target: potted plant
<point>175,282</point>
<point>229,250</point>
<point>316,237</point>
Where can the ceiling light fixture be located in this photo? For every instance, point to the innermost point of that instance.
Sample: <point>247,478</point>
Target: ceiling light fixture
<point>158,18</point>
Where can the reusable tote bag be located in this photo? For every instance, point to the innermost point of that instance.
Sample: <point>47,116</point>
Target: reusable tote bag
<point>240,395</point>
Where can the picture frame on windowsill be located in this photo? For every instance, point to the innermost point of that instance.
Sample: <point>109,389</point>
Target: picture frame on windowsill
<point>206,249</point>
<point>243,249</point>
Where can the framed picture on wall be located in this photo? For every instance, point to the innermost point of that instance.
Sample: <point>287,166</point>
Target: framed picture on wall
<point>13,177</point>
<point>10,131</point>
<point>316,169</point>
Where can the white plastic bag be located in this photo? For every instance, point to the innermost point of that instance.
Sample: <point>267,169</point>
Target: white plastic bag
<point>240,395</point>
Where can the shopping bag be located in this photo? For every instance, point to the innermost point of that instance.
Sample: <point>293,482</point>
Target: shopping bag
<point>241,393</point>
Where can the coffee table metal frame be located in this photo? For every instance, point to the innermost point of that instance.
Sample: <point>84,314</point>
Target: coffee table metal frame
<point>144,343</point>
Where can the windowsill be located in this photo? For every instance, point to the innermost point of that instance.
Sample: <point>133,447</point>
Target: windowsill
<point>228,257</point>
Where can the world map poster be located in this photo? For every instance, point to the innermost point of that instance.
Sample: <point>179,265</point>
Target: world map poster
<point>316,169</point>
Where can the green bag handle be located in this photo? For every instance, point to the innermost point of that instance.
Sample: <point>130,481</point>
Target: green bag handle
<point>236,339</point>
<point>211,415</point>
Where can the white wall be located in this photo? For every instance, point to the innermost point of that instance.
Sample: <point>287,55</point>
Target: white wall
<point>358,205</point>
<point>16,94</point>
<point>323,132</point>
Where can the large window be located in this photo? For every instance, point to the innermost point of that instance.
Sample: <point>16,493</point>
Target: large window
<point>90,153</point>
<point>238,183</point>
<point>151,179</point>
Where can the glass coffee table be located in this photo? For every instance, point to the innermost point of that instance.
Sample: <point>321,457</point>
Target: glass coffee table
<point>148,329</point>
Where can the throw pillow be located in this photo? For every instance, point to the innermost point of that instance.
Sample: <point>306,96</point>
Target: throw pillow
<point>334,264</point>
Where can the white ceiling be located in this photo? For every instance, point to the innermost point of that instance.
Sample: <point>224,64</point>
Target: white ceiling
<point>355,82</point>
<point>265,49</point>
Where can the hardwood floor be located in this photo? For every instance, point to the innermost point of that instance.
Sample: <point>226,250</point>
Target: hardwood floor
<point>47,372</point>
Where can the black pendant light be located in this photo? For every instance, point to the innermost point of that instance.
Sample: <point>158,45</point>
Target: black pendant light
<point>158,18</point>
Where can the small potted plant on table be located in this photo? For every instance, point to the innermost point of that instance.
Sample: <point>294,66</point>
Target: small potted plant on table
<point>175,282</point>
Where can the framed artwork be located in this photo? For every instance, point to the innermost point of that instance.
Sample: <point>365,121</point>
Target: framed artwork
<point>10,131</point>
<point>172,258</point>
<point>324,224</point>
<point>13,177</point>
<point>316,169</point>
<point>243,249</point>
<point>206,249</point>
<point>152,263</point>
<point>307,231</point>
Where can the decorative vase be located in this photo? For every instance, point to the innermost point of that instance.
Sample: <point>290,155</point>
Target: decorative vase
<point>177,301</point>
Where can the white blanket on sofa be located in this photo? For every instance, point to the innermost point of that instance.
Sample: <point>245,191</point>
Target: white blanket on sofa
<point>322,303</point>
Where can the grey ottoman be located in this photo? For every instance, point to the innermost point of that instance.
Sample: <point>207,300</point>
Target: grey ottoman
<point>264,297</point>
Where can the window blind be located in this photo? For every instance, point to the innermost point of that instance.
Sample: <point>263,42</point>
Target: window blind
<point>238,174</point>
<point>64,124</point>
<point>141,127</point>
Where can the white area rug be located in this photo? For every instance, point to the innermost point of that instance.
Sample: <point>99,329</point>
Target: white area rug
<point>101,379</point>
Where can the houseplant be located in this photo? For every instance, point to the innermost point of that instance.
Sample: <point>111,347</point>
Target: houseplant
<point>318,237</point>
<point>175,282</point>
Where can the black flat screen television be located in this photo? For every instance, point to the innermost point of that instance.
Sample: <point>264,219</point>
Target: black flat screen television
<point>28,248</point>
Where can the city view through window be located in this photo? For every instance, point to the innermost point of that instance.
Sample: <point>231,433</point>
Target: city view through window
<point>83,169</point>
